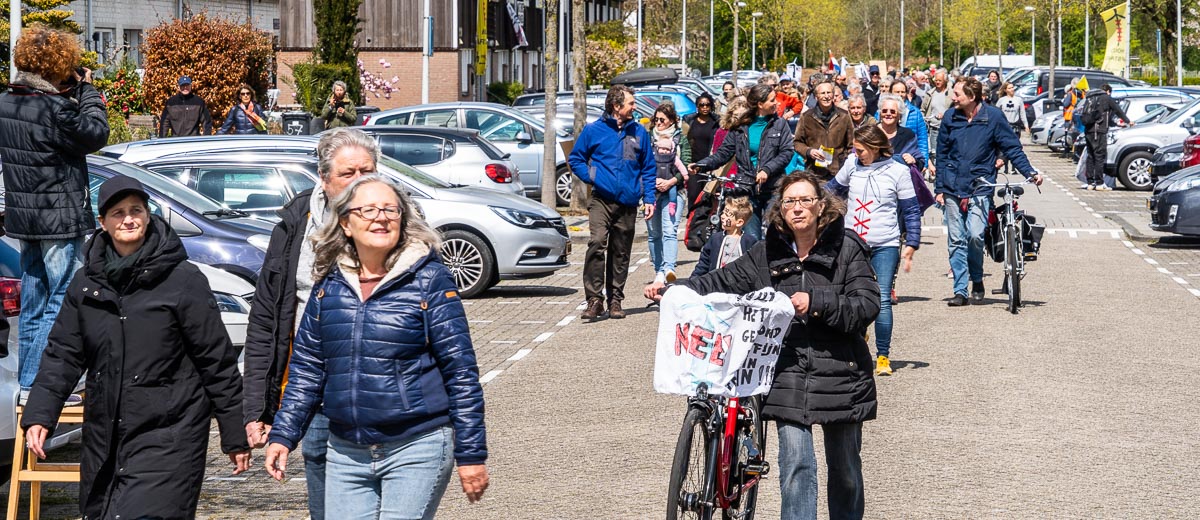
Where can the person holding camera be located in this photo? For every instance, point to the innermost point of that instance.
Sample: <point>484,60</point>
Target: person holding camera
<point>50,120</point>
<point>339,110</point>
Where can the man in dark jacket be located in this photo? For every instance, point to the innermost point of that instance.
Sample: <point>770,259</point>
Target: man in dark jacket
<point>45,135</point>
<point>185,114</point>
<point>284,286</point>
<point>871,91</point>
<point>614,156</point>
<point>1099,109</point>
<point>825,127</point>
<point>972,136</point>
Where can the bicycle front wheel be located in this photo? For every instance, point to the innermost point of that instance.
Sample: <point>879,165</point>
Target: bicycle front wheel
<point>689,493</point>
<point>750,449</point>
<point>1013,272</point>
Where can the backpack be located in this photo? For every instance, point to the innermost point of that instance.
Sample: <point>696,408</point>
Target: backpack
<point>1088,112</point>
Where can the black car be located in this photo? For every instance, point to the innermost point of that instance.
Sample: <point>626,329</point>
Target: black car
<point>1165,161</point>
<point>1175,203</point>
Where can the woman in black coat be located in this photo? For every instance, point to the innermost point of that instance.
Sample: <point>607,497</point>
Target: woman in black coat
<point>761,145</point>
<point>245,116</point>
<point>823,375</point>
<point>143,324</point>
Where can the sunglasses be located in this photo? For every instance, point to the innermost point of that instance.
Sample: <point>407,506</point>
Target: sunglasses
<point>704,105</point>
<point>883,111</point>
<point>660,120</point>
<point>244,93</point>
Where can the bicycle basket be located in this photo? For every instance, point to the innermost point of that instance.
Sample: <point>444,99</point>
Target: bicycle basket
<point>993,241</point>
<point>726,341</point>
<point>1031,236</point>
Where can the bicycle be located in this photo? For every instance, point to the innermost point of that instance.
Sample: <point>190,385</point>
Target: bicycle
<point>695,238</point>
<point>718,461</point>
<point>1015,228</point>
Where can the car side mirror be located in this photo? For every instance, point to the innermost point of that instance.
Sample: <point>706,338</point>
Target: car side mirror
<point>1189,124</point>
<point>524,137</point>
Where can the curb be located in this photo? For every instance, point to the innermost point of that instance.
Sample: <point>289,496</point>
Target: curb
<point>1132,231</point>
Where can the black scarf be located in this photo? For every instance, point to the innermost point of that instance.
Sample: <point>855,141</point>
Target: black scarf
<point>823,117</point>
<point>120,270</point>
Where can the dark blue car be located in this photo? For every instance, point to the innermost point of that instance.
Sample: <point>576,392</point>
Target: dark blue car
<point>213,234</point>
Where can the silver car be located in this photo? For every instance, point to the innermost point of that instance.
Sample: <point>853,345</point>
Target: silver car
<point>487,236</point>
<point>513,131</point>
<point>1130,149</point>
<point>455,155</point>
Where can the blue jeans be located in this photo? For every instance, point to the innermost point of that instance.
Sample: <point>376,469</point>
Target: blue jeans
<point>313,447</point>
<point>396,480</point>
<point>884,260</point>
<point>663,229</point>
<point>754,225</point>
<point>965,239</point>
<point>47,266</point>
<point>798,471</point>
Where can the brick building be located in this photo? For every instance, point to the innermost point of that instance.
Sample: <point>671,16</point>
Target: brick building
<point>114,28</point>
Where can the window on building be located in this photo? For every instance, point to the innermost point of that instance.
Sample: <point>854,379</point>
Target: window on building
<point>133,46</point>
<point>103,44</point>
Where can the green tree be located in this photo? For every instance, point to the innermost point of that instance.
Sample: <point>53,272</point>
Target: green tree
<point>338,25</point>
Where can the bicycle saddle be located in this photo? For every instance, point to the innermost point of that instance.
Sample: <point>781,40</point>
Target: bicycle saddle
<point>1016,190</point>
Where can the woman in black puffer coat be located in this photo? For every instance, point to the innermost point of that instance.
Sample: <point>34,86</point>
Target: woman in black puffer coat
<point>143,324</point>
<point>245,116</point>
<point>823,375</point>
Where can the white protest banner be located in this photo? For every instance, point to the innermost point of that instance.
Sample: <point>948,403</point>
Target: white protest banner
<point>726,341</point>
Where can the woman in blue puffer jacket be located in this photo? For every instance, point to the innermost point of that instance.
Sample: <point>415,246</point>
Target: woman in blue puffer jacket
<point>245,116</point>
<point>384,348</point>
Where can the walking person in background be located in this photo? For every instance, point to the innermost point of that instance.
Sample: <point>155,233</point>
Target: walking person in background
<point>972,136</point>
<point>245,116</point>
<point>339,110</point>
<point>871,90</point>
<point>992,87</point>
<point>939,100</point>
<point>185,114</point>
<point>283,289</point>
<point>141,322</point>
<point>729,89</point>
<point>760,145</point>
<point>1014,109</point>
<point>701,131</point>
<point>401,388</point>
<point>902,140</point>
<point>911,116</point>
<point>823,375</point>
<point>50,119</point>
<point>1098,114</point>
<point>881,198</point>
<point>857,107</point>
<point>614,155</point>
<point>670,154</point>
<point>824,134</point>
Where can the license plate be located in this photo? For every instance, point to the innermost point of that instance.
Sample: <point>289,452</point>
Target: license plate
<point>1149,204</point>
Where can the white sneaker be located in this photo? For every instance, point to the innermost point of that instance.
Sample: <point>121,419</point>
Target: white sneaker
<point>1103,188</point>
<point>660,278</point>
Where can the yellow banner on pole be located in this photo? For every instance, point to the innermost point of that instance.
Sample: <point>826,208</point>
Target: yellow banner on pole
<point>1118,31</point>
<point>481,39</point>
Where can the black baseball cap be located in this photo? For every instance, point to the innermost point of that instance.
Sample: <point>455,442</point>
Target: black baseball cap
<point>117,188</point>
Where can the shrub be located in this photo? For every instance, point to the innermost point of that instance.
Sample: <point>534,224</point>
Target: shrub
<point>118,128</point>
<point>505,92</point>
<point>313,83</point>
<point>123,90</point>
<point>217,54</point>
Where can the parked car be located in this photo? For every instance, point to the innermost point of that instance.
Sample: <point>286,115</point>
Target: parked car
<point>684,105</point>
<point>1040,128</point>
<point>1036,80</point>
<point>1166,160</point>
<point>642,109</point>
<point>212,233</point>
<point>1175,203</point>
<point>565,115</point>
<point>660,77</point>
<point>455,155</point>
<point>511,130</point>
<point>487,236</point>
<point>138,151</point>
<point>1130,149</point>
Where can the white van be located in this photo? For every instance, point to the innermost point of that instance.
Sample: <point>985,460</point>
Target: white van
<point>993,62</point>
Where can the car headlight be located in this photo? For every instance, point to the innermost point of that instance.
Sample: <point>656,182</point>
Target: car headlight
<point>1112,138</point>
<point>1173,157</point>
<point>1185,184</point>
<point>231,303</point>
<point>520,218</point>
<point>260,241</point>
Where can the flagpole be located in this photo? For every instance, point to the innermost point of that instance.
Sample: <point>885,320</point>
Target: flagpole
<point>1128,36</point>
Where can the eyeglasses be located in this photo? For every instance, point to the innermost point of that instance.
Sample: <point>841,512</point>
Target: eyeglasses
<point>372,212</point>
<point>802,203</point>
<point>244,93</point>
<point>660,120</point>
<point>703,105</point>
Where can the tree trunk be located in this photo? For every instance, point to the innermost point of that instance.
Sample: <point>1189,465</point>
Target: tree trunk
<point>549,140</point>
<point>579,190</point>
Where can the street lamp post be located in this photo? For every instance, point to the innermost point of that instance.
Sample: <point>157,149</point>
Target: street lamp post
<point>1060,32</point>
<point>754,39</point>
<point>1179,43</point>
<point>711,44</point>
<point>14,32</point>
<point>683,42</point>
<point>941,33</point>
<point>901,36</point>
<point>639,30</point>
<point>1032,32</point>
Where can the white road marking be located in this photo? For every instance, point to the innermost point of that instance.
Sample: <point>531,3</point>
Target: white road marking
<point>504,341</point>
<point>566,274</point>
<point>479,321</point>
<point>543,337</point>
<point>1180,281</point>
<point>558,303</point>
<point>1150,261</point>
<point>507,303</point>
<point>644,260</point>
<point>566,319</point>
<point>1195,292</point>
<point>1127,243</point>
<point>1163,270</point>
<point>226,479</point>
<point>531,322</point>
<point>1137,251</point>
<point>632,269</point>
<point>520,354</point>
<point>489,376</point>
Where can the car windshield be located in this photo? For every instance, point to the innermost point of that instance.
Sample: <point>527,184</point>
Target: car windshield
<point>1179,113</point>
<point>413,173</point>
<point>1153,115</point>
<point>174,190</point>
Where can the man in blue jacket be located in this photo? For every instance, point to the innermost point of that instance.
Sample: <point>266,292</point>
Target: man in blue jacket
<point>968,144</point>
<point>614,156</point>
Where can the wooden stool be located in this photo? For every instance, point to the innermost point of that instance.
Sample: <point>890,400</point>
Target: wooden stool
<point>26,468</point>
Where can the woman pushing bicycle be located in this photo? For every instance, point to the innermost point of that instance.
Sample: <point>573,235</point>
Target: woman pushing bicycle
<point>823,375</point>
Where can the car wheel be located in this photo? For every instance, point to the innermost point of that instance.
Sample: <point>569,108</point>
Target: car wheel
<point>1134,172</point>
<point>469,260</point>
<point>562,186</point>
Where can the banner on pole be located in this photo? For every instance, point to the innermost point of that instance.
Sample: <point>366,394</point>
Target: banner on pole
<point>518,22</point>
<point>728,342</point>
<point>481,39</point>
<point>1118,30</point>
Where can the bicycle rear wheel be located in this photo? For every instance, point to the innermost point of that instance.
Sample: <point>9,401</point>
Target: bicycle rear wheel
<point>746,464</point>
<point>689,493</point>
<point>1013,256</point>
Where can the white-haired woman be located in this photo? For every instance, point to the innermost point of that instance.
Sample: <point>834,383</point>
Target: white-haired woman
<point>339,109</point>
<point>385,349</point>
